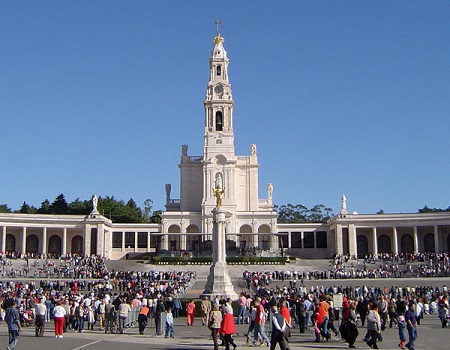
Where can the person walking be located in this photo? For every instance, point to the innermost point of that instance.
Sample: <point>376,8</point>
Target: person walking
<point>279,326</point>
<point>124,309</point>
<point>260,319</point>
<point>401,331</point>
<point>58,316</point>
<point>411,322</point>
<point>190,312</point>
<point>159,309</point>
<point>206,309</point>
<point>110,310</point>
<point>40,310</point>
<point>228,328</point>
<point>214,322</point>
<point>143,318</point>
<point>12,319</point>
<point>169,332</point>
<point>373,326</point>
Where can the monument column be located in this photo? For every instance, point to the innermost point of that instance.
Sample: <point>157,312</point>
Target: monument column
<point>219,280</point>
<point>395,240</point>
<point>4,239</point>
<point>374,241</point>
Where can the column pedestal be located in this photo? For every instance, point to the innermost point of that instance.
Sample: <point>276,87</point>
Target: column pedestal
<point>219,280</point>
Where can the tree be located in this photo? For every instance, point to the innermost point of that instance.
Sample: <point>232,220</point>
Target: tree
<point>78,207</point>
<point>27,209</point>
<point>147,212</point>
<point>45,207</point>
<point>4,208</point>
<point>156,217</point>
<point>59,206</point>
<point>299,213</point>
<point>427,209</point>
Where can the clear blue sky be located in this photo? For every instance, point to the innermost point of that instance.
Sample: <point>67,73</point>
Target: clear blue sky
<point>340,97</point>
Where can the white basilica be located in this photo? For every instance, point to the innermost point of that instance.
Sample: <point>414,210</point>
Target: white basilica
<point>187,222</point>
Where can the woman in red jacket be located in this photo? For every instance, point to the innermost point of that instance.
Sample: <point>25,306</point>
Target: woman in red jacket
<point>227,328</point>
<point>190,312</point>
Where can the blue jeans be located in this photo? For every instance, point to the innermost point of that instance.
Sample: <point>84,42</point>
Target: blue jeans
<point>13,337</point>
<point>260,330</point>
<point>80,321</point>
<point>325,325</point>
<point>169,331</point>
<point>412,334</point>
<point>241,314</point>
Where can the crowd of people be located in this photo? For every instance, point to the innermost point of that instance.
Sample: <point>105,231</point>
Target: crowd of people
<point>379,266</point>
<point>374,307</point>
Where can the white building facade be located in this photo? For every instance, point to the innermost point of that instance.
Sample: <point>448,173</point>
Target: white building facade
<point>187,221</point>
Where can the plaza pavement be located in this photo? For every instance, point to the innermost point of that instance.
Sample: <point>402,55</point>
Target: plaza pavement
<point>431,336</point>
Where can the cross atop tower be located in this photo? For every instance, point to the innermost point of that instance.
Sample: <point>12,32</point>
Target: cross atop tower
<point>218,23</point>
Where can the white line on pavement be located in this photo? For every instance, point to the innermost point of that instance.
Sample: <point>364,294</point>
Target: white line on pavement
<point>84,346</point>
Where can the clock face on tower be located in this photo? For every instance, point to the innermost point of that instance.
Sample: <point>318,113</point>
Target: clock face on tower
<point>218,89</point>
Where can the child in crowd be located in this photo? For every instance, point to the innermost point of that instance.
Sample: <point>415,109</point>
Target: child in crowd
<point>169,324</point>
<point>402,331</point>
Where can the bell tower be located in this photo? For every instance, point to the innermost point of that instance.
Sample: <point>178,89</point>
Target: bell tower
<point>219,159</point>
<point>218,136</point>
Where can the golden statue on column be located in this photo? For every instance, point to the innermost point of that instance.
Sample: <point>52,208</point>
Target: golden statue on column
<point>219,191</point>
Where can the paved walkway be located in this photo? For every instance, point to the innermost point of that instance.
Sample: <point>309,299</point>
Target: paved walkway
<point>431,335</point>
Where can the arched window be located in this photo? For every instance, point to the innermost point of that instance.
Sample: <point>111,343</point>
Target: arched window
<point>219,70</point>
<point>428,242</point>
<point>362,245</point>
<point>54,245</point>
<point>384,244</point>
<point>10,243</point>
<point>407,243</point>
<point>32,244</point>
<point>219,121</point>
<point>77,245</point>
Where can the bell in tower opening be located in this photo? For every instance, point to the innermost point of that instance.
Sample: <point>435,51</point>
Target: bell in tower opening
<point>219,121</point>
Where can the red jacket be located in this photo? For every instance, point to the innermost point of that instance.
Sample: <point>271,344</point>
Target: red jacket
<point>227,326</point>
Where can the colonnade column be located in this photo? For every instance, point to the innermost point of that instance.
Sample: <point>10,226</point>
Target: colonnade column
<point>24,240</point>
<point>395,240</point>
<point>123,241</point>
<point>352,246</point>
<point>64,241</point>
<point>4,239</point>
<point>183,236</point>
<point>44,240</point>
<point>416,240</point>
<point>374,240</point>
<point>148,241</point>
<point>136,234</point>
<point>338,241</point>
<point>436,238</point>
